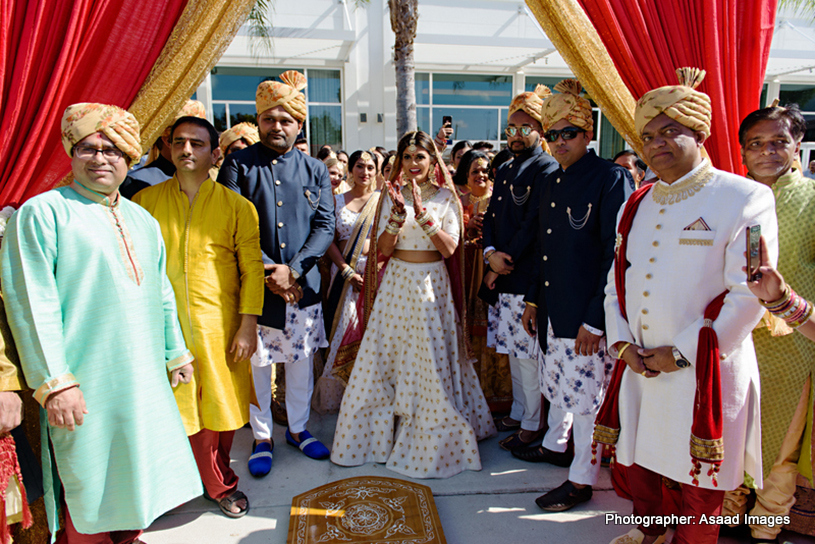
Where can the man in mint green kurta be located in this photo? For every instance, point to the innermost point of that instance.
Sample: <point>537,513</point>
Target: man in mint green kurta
<point>770,140</point>
<point>95,322</point>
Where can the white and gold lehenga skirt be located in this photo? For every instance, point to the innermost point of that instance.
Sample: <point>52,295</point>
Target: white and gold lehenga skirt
<point>413,400</point>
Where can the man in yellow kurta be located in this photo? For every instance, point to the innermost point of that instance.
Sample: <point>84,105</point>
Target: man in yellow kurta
<point>214,264</point>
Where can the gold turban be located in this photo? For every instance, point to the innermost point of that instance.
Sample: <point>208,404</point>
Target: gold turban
<point>530,103</point>
<point>120,126</point>
<point>569,105</point>
<point>247,131</point>
<point>682,103</point>
<point>271,94</point>
<point>191,108</point>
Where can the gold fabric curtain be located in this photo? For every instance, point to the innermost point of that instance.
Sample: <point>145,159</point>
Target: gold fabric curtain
<point>202,34</point>
<point>576,39</point>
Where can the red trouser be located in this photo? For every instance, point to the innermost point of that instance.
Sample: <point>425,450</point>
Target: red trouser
<point>71,536</point>
<point>211,451</point>
<point>646,490</point>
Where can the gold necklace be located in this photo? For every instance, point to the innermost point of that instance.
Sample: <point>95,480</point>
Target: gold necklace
<point>427,190</point>
<point>665,194</point>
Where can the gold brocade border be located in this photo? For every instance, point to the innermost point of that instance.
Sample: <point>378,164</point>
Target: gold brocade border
<point>201,35</point>
<point>694,242</point>
<point>577,41</point>
<point>707,450</point>
<point>606,435</point>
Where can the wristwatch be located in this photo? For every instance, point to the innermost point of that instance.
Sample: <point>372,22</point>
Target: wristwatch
<point>679,360</point>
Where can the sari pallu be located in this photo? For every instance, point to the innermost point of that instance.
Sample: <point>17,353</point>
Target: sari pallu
<point>340,310</point>
<point>338,287</point>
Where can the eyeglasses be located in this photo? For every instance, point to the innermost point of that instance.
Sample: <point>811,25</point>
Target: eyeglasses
<point>112,154</point>
<point>512,131</point>
<point>568,133</point>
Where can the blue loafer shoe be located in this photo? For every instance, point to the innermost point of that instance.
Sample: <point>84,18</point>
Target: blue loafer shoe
<point>312,447</point>
<point>260,462</point>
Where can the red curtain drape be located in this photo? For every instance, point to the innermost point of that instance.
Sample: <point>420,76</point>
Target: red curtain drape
<point>730,39</point>
<point>54,53</point>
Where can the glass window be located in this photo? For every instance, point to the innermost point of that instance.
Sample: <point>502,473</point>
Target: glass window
<point>472,90</point>
<point>422,83</point>
<point>239,113</point>
<point>469,123</point>
<point>612,142</point>
<point>502,116</point>
<point>324,86</point>
<point>763,98</point>
<point>810,133</point>
<point>219,117</point>
<point>325,127</point>
<point>423,121</point>
<point>241,83</point>
<point>803,95</point>
<point>532,82</point>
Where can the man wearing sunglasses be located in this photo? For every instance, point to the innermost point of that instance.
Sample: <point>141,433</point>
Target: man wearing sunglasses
<point>564,307</point>
<point>509,233</point>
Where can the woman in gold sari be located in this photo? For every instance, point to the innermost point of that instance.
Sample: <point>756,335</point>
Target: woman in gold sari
<point>492,368</point>
<point>354,211</point>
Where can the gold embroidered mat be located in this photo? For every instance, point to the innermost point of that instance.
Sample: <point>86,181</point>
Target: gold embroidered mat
<point>366,510</point>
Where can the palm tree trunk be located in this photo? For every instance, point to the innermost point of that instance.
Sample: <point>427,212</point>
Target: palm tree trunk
<point>404,15</point>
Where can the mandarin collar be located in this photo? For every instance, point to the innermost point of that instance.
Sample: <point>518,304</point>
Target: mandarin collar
<point>526,155</point>
<point>110,201</point>
<point>582,164</point>
<point>272,154</point>
<point>789,179</point>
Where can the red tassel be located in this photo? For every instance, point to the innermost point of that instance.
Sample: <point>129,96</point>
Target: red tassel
<point>593,452</point>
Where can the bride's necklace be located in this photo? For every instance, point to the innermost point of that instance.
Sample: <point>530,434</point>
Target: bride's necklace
<point>428,191</point>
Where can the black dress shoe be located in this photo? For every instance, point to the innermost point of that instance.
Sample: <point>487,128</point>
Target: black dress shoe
<point>563,498</point>
<point>539,454</point>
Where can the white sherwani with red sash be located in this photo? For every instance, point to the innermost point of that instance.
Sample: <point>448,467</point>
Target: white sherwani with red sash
<point>686,246</point>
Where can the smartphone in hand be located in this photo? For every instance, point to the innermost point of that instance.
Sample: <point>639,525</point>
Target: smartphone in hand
<point>753,237</point>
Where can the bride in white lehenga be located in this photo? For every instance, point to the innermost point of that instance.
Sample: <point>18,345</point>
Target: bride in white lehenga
<point>413,400</point>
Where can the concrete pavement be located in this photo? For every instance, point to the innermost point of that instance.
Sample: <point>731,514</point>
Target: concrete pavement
<point>493,506</point>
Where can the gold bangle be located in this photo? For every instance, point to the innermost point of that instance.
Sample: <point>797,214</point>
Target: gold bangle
<point>622,350</point>
<point>532,304</point>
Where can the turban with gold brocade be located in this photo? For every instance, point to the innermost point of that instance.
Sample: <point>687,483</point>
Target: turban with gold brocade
<point>530,102</point>
<point>191,108</point>
<point>569,105</point>
<point>682,103</point>
<point>120,126</point>
<point>247,131</point>
<point>271,94</point>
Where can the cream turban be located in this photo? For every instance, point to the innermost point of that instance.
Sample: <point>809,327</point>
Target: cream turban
<point>120,126</point>
<point>530,103</point>
<point>569,105</point>
<point>682,103</point>
<point>271,94</point>
<point>191,108</point>
<point>247,131</point>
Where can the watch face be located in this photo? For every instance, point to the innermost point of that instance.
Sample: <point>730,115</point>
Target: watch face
<point>682,363</point>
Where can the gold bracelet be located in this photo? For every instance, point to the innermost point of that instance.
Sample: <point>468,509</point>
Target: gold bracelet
<point>621,351</point>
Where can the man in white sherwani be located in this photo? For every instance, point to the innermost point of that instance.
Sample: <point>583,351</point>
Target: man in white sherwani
<point>685,247</point>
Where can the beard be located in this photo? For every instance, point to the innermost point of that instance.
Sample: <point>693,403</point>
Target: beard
<point>278,141</point>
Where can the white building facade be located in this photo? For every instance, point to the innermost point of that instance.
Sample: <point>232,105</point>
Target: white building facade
<point>471,58</point>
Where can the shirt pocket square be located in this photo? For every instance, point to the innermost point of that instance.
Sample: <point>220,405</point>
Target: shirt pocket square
<point>697,237</point>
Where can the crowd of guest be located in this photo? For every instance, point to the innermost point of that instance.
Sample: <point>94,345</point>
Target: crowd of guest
<point>585,307</point>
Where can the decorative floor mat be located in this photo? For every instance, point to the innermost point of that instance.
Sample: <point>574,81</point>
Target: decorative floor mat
<point>366,510</point>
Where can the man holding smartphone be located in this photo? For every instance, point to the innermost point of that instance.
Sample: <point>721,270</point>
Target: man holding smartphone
<point>678,319</point>
<point>770,140</point>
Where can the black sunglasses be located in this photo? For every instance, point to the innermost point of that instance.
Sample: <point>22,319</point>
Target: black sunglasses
<point>568,133</point>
